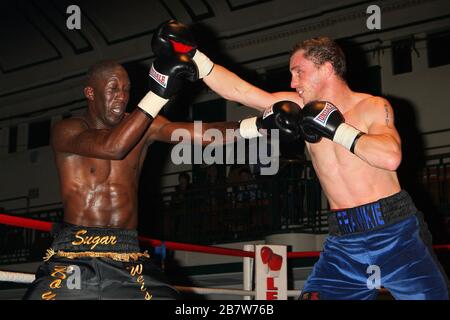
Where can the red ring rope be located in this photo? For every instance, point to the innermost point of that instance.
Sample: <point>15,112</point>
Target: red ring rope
<point>47,226</point>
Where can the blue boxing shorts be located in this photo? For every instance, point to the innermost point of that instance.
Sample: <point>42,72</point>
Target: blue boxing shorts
<point>381,244</point>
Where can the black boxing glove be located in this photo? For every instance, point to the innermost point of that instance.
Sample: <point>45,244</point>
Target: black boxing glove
<point>309,135</point>
<point>283,115</point>
<point>166,78</point>
<point>322,118</point>
<point>173,37</point>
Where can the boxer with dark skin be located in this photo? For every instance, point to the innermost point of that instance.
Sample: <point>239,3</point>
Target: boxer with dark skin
<point>100,154</point>
<point>99,157</point>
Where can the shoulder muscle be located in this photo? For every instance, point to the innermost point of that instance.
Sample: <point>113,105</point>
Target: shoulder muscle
<point>378,111</point>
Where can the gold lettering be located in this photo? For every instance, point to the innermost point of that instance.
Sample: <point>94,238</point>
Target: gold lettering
<point>136,270</point>
<point>148,296</point>
<point>88,240</point>
<point>56,284</point>
<point>105,240</point>
<point>95,241</point>
<point>48,295</point>
<point>59,270</point>
<point>78,236</point>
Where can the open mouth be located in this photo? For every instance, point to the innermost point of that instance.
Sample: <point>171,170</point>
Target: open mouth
<point>117,109</point>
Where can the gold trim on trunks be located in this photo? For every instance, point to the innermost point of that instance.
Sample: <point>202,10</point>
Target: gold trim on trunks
<point>117,256</point>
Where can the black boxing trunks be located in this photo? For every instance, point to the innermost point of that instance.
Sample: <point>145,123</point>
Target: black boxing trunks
<point>381,244</point>
<point>86,263</point>
<point>371,216</point>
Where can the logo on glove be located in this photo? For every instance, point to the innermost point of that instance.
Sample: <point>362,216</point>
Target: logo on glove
<point>160,78</point>
<point>323,116</point>
<point>268,112</point>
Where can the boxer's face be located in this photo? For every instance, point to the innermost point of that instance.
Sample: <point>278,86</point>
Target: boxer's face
<point>111,94</point>
<point>307,78</point>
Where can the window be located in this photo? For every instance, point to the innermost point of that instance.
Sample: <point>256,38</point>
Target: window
<point>12,143</point>
<point>39,134</point>
<point>438,46</point>
<point>401,56</point>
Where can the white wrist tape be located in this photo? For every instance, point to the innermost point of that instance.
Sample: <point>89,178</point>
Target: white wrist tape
<point>152,103</point>
<point>345,135</point>
<point>248,128</point>
<point>204,64</point>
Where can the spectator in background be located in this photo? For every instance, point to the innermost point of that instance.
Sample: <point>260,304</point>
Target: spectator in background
<point>181,203</point>
<point>184,182</point>
<point>216,194</point>
<point>290,202</point>
<point>233,173</point>
<point>247,192</point>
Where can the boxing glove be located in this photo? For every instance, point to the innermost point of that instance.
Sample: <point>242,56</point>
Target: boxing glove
<point>283,115</point>
<point>308,135</point>
<point>322,118</point>
<point>172,37</point>
<point>166,78</point>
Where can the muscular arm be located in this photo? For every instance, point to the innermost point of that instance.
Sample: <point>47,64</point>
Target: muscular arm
<point>73,136</point>
<point>162,130</point>
<point>228,85</point>
<point>381,147</point>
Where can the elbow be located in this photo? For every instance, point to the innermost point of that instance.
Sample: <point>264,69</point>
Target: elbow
<point>118,156</point>
<point>117,153</point>
<point>393,160</point>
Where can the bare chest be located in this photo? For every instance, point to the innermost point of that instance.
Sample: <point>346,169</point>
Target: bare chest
<point>94,172</point>
<point>332,159</point>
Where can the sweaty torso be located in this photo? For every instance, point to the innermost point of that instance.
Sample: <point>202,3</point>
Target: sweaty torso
<point>347,180</point>
<point>101,193</point>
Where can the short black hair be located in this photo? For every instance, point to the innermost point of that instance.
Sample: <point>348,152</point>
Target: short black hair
<point>98,69</point>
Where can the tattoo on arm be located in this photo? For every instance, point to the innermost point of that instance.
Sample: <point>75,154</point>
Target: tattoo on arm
<point>386,109</point>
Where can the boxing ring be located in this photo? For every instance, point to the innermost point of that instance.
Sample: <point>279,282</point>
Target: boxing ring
<point>247,254</point>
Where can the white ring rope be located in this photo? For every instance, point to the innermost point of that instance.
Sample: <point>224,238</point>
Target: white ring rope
<point>20,277</point>
<point>17,277</point>
<point>238,292</point>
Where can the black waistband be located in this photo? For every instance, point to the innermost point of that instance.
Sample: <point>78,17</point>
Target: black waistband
<point>69,237</point>
<point>371,216</point>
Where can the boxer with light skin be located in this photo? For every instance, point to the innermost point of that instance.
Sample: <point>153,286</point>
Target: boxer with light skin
<point>355,150</point>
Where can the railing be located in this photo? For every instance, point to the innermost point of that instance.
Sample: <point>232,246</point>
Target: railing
<point>290,201</point>
<point>26,198</point>
<point>435,179</point>
<point>229,212</point>
<point>22,245</point>
<point>437,132</point>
